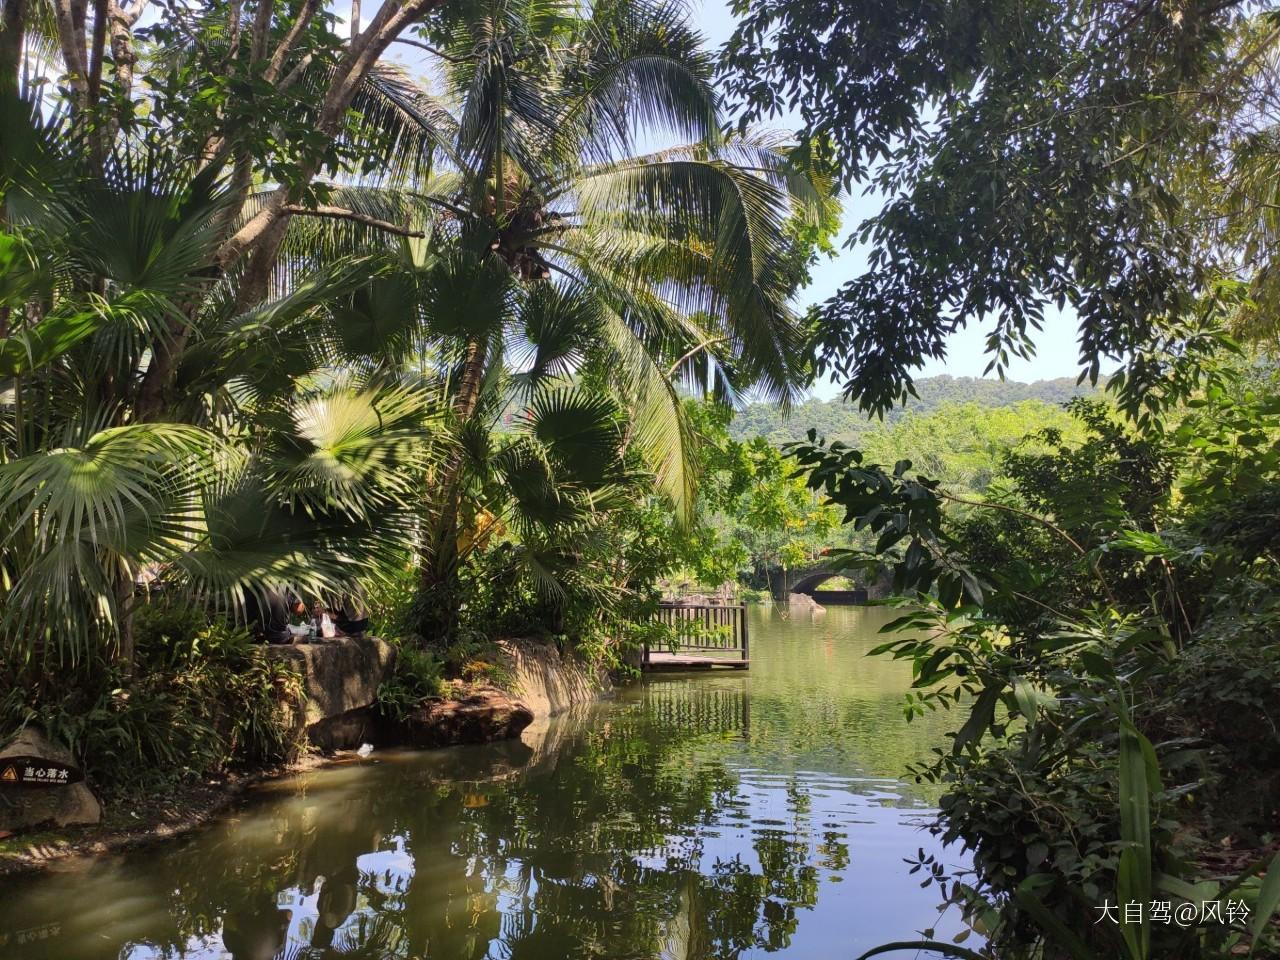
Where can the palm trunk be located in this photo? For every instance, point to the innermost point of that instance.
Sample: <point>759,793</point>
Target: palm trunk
<point>12,34</point>
<point>124,615</point>
<point>440,552</point>
<point>469,383</point>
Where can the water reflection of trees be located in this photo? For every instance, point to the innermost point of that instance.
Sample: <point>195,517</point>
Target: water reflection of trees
<point>600,855</point>
<point>594,849</point>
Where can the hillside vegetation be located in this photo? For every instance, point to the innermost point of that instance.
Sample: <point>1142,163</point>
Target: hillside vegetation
<point>838,420</point>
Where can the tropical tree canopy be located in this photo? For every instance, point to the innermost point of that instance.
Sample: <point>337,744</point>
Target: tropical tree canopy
<point>1070,155</point>
<point>285,314</point>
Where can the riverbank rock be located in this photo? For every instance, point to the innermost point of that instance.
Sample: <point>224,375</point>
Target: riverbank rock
<point>27,807</point>
<point>803,603</point>
<point>547,682</point>
<point>480,716</point>
<point>340,681</point>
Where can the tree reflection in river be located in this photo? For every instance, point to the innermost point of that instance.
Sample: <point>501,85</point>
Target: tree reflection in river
<point>695,818</point>
<point>592,852</point>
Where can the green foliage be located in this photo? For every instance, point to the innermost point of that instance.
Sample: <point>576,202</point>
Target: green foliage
<point>839,420</point>
<point>963,445</point>
<point>751,512</point>
<point>1111,640</point>
<point>191,401</point>
<point>418,675</point>
<point>204,699</point>
<point>258,475</point>
<point>389,600</point>
<point>1033,156</point>
<point>604,575</point>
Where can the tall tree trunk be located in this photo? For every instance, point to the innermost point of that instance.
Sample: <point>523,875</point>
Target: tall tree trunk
<point>440,553</point>
<point>70,15</point>
<point>123,57</point>
<point>124,614</point>
<point>13,27</point>
<point>97,52</point>
<point>464,405</point>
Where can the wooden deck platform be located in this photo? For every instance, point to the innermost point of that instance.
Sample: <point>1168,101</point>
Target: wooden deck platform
<point>701,636</point>
<point>675,661</point>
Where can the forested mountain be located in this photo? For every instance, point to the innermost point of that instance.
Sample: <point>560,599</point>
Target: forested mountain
<point>837,420</point>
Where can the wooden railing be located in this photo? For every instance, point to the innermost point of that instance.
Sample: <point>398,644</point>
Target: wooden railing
<point>716,632</point>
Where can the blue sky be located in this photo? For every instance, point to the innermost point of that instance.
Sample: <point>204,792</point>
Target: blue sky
<point>1056,354</point>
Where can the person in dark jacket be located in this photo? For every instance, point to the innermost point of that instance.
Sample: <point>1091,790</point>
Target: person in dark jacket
<point>353,618</point>
<point>268,615</point>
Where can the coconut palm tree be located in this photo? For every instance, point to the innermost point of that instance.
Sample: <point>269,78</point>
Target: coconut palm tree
<point>669,267</point>
<point>689,252</point>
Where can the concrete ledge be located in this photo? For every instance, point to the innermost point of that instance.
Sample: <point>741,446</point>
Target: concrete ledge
<point>340,680</point>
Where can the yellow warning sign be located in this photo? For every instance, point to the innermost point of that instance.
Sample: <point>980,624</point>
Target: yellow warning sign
<point>10,775</point>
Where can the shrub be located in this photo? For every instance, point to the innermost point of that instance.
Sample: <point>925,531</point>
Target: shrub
<point>202,698</point>
<point>418,675</point>
<point>390,600</point>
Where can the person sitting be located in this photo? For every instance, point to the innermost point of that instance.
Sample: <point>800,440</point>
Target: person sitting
<point>353,618</point>
<point>267,614</point>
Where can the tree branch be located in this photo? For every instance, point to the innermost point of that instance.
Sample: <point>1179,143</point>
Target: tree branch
<point>705,344</point>
<point>276,66</point>
<point>133,15</point>
<point>431,50</point>
<point>342,213</point>
<point>258,232</point>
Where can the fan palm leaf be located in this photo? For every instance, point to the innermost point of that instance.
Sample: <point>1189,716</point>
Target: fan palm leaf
<point>84,517</point>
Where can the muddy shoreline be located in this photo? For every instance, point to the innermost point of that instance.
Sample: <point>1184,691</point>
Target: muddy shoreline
<point>547,683</point>
<point>136,822</point>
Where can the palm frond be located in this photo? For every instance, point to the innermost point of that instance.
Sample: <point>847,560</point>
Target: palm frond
<point>555,323</point>
<point>642,71</point>
<point>660,430</point>
<point>399,129</point>
<point>83,517</point>
<point>741,220</point>
<point>252,540</point>
<point>581,432</point>
<point>271,344</point>
<point>360,451</point>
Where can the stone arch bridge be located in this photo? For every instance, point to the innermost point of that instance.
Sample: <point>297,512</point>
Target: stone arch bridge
<point>809,580</point>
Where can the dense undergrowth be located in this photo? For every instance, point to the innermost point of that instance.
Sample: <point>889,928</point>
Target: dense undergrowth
<point>202,699</point>
<point>1107,623</point>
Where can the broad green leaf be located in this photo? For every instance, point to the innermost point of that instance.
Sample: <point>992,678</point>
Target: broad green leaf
<point>1267,904</point>
<point>30,349</point>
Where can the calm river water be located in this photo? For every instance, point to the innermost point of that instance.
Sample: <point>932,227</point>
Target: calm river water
<point>726,815</point>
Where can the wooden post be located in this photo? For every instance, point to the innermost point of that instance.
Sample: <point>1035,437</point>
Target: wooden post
<point>742,612</point>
